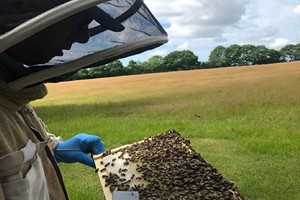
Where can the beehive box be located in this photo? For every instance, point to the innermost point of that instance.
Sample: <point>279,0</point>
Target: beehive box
<point>163,166</point>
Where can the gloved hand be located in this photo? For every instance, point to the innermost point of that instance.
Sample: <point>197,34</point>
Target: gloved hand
<point>76,149</point>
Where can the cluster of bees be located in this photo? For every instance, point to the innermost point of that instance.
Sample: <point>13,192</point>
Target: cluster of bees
<point>165,167</point>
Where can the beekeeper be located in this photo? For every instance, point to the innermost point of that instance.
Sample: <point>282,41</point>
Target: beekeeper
<point>45,41</point>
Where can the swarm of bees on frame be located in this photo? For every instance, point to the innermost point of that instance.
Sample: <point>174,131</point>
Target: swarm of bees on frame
<point>164,166</point>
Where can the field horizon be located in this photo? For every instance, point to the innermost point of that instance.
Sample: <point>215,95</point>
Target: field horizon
<point>244,121</point>
<point>66,91</point>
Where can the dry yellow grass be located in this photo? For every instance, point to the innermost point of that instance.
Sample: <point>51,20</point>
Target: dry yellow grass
<point>115,89</point>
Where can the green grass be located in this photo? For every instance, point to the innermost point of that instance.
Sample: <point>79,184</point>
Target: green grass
<point>248,127</point>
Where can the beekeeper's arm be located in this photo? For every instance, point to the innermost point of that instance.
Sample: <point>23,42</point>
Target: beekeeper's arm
<point>76,149</point>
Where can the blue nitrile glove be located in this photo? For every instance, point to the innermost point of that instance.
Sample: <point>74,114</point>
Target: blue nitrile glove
<point>76,149</point>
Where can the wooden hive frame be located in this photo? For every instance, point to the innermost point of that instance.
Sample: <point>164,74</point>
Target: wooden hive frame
<point>163,166</point>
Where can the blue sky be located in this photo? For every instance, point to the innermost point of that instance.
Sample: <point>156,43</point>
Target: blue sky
<point>201,25</point>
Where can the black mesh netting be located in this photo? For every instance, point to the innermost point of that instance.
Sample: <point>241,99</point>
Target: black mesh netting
<point>139,24</point>
<point>117,29</point>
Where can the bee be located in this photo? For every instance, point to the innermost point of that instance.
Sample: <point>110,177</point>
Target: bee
<point>121,156</point>
<point>126,163</point>
<point>126,182</point>
<point>112,188</point>
<point>102,170</point>
<point>106,164</point>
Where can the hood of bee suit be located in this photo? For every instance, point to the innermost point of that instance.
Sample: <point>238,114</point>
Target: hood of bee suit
<point>117,29</point>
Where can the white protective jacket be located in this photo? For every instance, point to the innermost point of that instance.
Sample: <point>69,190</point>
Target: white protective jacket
<point>28,170</point>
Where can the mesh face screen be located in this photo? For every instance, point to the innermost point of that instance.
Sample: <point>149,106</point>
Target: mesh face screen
<point>122,28</point>
<point>138,21</point>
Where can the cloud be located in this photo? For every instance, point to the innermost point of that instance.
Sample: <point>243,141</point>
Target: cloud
<point>269,31</point>
<point>201,25</point>
<point>263,22</point>
<point>279,43</point>
<point>198,19</point>
<point>183,46</point>
<point>158,53</point>
<point>297,10</point>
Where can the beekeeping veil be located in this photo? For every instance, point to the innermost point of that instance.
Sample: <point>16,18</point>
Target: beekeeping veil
<point>118,28</point>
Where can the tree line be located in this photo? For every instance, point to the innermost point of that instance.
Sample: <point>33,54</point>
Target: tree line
<point>234,55</point>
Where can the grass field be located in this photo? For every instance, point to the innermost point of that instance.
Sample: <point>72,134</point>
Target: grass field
<point>245,121</point>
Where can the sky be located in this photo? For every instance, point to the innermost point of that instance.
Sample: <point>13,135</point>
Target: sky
<point>201,25</point>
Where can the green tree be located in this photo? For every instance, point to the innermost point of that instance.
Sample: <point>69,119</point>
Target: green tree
<point>274,56</point>
<point>236,55</point>
<point>217,57</point>
<point>290,52</point>
<point>133,67</point>
<point>154,64</point>
<point>251,54</point>
<point>97,72</point>
<point>178,60</point>
<point>115,68</point>
<point>247,54</point>
<point>80,74</point>
<point>233,55</point>
<point>263,55</point>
